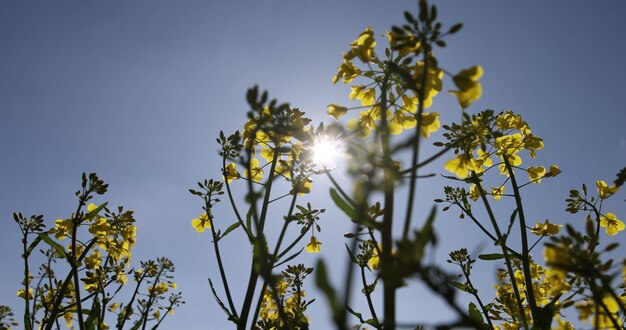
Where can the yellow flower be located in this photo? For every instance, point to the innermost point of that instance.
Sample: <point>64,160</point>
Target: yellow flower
<point>113,307</point>
<point>159,289</point>
<point>230,173</point>
<point>313,246</point>
<point>347,71</point>
<point>201,223</point>
<point>536,173</point>
<point>533,143</point>
<point>22,293</point>
<point>121,278</point>
<point>336,110</point>
<point>604,318</point>
<point>546,228</point>
<point>474,192</point>
<point>69,319</point>
<point>553,171</point>
<point>62,228</point>
<point>366,95</point>
<point>433,81</point>
<point>401,121</point>
<point>363,47</point>
<point>470,89</point>
<point>611,224</point>
<point>302,187</point>
<point>508,120</point>
<point>497,192</point>
<point>604,190</point>
<point>483,159</point>
<point>267,153</point>
<point>510,145</point>
<point>257,172</point>
<point>430,123</point>
<point>94,260</point>
<point>91,207</point>
<point>461,165</point>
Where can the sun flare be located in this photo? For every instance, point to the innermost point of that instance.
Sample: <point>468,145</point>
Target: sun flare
<point>325,152</point>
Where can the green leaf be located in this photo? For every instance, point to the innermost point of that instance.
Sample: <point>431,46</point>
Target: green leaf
<point>342,204</point>
<point>321,280</point>
<point>137,325</point>
<point>455,28</point>
<point>476,316</point>
<point>373,323</point>
<point>32,246</point>
<point>491,256</point>
<point>60,249</point>
<point>249,218</point>
<point>460,286</point>
<point>95,211</point>
<point>353,312</point>
<point>93,320</point>
<point>230,228</point>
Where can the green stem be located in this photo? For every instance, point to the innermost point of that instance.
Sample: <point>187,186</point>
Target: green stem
<point>151,299</point>
<point>484,230</point>
<point>234,205</point>
<point>61,292</point>
<point>415,151</point>
<point>74,265</point>
<point>27,320</point>
<point>254,275</point>
<point>387,262</point>
<point>129,306</point>
<point>524,237</point>
<point>220,266</point>
<point>369,297</point>
<point>507,258</point>
<point>475,294</point>
<point>275,257</point>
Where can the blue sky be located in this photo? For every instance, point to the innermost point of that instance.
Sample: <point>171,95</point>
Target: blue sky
<point>138,91</point>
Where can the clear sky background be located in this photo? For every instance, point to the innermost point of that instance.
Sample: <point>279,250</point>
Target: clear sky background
<point>137,91</point>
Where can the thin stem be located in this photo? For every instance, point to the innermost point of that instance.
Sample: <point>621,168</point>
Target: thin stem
<point>524,237</point>
<point>507,258</point>
<point>387,262</point>
<point>27,320</point>
<point>260,221</point>
<point>151,299</point>
<point>475,294</point>
<point>234,205</point>
<point>274,258</point>
<point>369,297</point>
<point>220,266</point>
<point>494,239</point>
<point>74,265</point>
<point>415,151</point>
<point>61,292</point>
<point>129,306</point>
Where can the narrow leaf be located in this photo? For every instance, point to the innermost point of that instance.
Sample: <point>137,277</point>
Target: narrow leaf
<point>230,228</point>
<point>491,256</point>
<point>460,286</point>
<point>60,249</point>
<point>342,204</point>
<point>95,211</point>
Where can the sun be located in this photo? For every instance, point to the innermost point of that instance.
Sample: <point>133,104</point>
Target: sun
<point>325,152</point>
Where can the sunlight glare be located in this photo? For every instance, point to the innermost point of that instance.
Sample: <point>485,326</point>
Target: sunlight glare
<point>325,152</point>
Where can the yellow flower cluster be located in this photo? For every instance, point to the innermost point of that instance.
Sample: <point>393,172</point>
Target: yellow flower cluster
<point>547,283</point>
<point>502,137</point>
